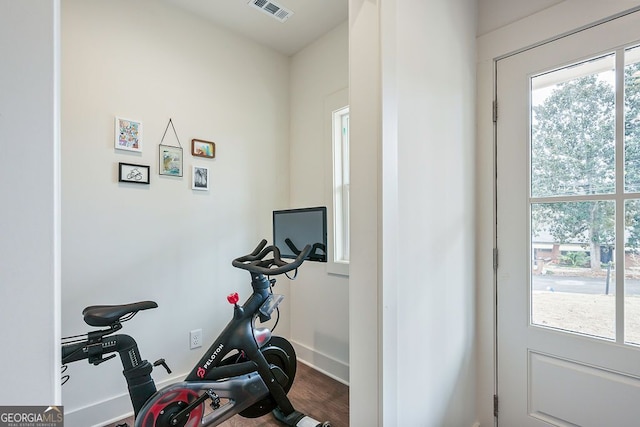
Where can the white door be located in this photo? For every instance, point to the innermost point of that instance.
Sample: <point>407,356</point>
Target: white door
<point>568,230</point>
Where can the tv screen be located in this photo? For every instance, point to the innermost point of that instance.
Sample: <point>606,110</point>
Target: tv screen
<point>293,229</point>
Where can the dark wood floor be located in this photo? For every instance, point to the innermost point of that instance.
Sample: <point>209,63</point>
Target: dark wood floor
<point>313,394</point>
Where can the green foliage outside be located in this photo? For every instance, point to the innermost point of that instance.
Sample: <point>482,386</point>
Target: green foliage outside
<point>575,259</point>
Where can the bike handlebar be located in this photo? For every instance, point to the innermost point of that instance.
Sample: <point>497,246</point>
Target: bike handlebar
<point>256,261</point>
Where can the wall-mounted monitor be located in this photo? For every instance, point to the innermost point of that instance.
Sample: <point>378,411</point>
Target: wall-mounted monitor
<point>293,229</point>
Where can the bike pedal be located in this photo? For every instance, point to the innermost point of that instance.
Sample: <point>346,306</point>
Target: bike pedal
<point>215,400</point>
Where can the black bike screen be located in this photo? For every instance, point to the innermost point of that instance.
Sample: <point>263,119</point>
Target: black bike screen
<point>293,229</point>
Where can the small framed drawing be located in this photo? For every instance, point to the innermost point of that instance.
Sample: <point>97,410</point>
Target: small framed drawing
<point>200,178</point>
<point>202,148</point>
<point>170,160</point>
<point>128,134</point>
<point>137,174</point>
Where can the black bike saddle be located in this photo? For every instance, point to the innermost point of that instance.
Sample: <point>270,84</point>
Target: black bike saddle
<point>107,315</point>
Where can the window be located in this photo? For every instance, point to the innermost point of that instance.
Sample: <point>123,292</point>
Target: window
<point>585,197</point>
<point>337,184</point>
<point>341,185</point>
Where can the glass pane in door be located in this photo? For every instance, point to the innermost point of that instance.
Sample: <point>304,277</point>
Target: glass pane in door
<point>573,274</point>
<point>572,159</point>
<point>632,272</point>
<point>632,120</point>
<point>632,185</point>
<point>573,130</point>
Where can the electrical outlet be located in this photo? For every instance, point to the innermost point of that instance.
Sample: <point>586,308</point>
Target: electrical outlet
<point>195,338</point>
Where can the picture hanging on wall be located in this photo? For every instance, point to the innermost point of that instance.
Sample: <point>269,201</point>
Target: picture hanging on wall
<point>137,174</point>
<point>202,148</point>
<point>170,160</point>
<point>200,178</point>
<point>128,134</point>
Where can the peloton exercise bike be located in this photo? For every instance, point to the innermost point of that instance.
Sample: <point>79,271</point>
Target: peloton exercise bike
<point>246,370</point>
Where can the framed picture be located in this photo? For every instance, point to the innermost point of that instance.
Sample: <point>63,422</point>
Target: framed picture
<point>200,178</point>
<point>128,134</point>
<point>170,160</point>
<point>137,174</point>
<point>202,148</point>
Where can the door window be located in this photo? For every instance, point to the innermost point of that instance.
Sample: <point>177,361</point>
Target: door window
<point>585,200</point>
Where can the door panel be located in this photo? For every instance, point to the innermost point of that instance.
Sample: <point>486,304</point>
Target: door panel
<point>559,387</point>
<point>567,219</point>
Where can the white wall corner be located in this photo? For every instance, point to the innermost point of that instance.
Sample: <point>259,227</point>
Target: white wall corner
<point>323,363</point>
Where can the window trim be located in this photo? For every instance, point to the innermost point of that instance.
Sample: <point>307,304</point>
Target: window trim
<point>340,187</point>
<point>334,103</point>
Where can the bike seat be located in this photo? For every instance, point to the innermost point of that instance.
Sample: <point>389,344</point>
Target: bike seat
<point>107,315</point>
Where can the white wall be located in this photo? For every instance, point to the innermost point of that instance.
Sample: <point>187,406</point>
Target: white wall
<point>319,300</point>
<point>547,24</point>
<point>365,371</point>
<point>122,242</point>
<point>30,214</point>
<point>435,176</point>
<point>413,196</point>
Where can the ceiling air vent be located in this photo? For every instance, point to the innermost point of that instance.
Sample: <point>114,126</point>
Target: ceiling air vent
<point>271,8</point>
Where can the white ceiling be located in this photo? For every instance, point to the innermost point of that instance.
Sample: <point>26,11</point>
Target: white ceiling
<point>310,20</point>
<point>313,18</point>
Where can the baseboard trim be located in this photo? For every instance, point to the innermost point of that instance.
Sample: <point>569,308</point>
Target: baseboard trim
<point>327,365</point>
<point>119,405</point>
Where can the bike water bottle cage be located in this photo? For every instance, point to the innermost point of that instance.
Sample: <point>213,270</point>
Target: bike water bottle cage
<point>260,261</point>
<point>107,315</point>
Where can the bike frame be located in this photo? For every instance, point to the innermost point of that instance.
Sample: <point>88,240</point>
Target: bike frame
<point>236,382</point>
<point>234,368</point>
<point>137,372</point>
